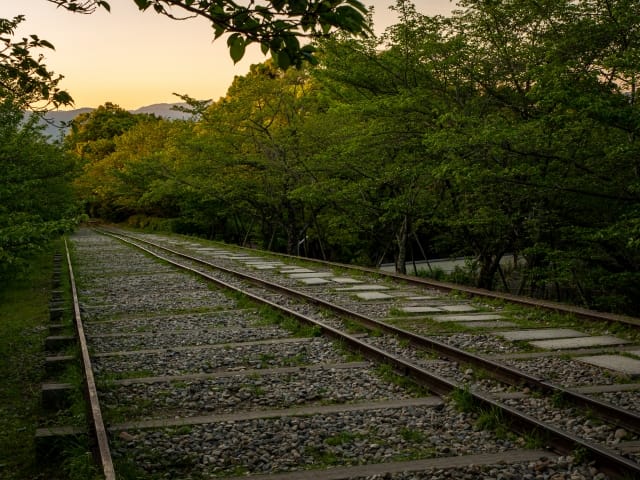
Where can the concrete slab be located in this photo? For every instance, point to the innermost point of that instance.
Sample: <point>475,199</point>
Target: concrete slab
<point>345,280</point>
<point>489,324</point>
<point>264,267</point>
<point>541,334</point>
<point>310,275</point>
<point>363,288</point>
<point>373,296</point>
<point>422,309</point>
<point>313,281</point>
<point>618,363</point>
<point>457,308</point>
<point>288,270</point>
<point>418,299</point>
<point>569,343</point>
<point>634,352</point>
<point>476,317</point>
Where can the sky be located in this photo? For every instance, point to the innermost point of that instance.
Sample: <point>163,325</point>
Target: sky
<point>134,58</point>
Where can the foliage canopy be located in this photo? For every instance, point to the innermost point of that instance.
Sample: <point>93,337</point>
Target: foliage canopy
<point>276,25</point>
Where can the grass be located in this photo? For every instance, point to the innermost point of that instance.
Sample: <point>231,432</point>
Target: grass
<point>494,420</point>
<point>386,372</point>
<point>343,438</point>
<point>413,435</point>
<point>463,400</point>
<point>292,325</point>
<point>24,302</point>
<point>23,314</point>
<point>535,440</point>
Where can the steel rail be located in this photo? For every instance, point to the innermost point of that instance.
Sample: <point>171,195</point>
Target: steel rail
<point>580,312</point>
<point>606,411</point>
<point>98,431</point>
<point>607,460</point>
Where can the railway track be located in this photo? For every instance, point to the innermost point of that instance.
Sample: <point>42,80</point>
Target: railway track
<point>195,383</point>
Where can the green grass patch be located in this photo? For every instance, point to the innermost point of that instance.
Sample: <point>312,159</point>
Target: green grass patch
<point>292,325</point>
<point>343,438</point>
<point>463,400</point>
<point>24,317</point>
<point>536,440</point>
<point>386,372</point>
<point>413,435</point>
<point>494,420</point>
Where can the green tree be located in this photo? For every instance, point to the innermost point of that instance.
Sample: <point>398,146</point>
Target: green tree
<point>539,158</point>
<point>258,125</point>
<point>92,141</point>
<point>36,202</point>
<point>389,99</point>
<point>35,198</point>
<point>24,78</point>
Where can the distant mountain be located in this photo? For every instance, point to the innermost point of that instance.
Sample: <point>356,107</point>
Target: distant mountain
<point>164,110</point>
<point>56,122</point>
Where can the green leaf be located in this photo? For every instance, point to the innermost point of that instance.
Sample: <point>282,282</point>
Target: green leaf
<point>143,4</point>
<point>237,46</point>
<point>218,31</point>
<point>282,59</point>
<point>278,4</point>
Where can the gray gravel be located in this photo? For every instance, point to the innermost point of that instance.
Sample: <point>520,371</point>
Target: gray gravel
<point>151,299</point>
<point>169,339</point>
<point>628,400</point>
<point>564,371</point>
<point>292,443</point>
<point>563,468</point>
<point>184,321</point>
<point>247,393</point>
<point>569,420</point>
<point>231,357</point>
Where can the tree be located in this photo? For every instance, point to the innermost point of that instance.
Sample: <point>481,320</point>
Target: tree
<point>35,199</point>
<point>24,78</point>
<point>92,140</point>
<point>36,203</point>
<point>277,25</point>
<point>541,157</point>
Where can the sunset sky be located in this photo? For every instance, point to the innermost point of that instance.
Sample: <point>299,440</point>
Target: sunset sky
<point>135,59</point>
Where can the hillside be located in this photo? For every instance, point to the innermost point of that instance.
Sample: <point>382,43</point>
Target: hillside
<point>56,122</point>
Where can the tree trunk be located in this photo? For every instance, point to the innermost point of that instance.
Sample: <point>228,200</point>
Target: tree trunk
<point>488,267</point>
<point>402,237</point>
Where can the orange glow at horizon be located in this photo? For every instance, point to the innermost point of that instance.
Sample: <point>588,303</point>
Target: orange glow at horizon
<point>134,59</point>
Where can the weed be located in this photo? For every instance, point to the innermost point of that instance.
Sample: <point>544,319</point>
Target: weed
<point>342,438</point>
<point>127,469</point>
<point>464,400</point>
<point>352,326</point>
<point>581,454</point>
<point>560,400</point>
<point>387,373</point>
<point>78,463</point>
<point>495,421</point>
<point>535,440</point>
<point>24,303</point>
<point>184,430</point>
<point>412,435</point>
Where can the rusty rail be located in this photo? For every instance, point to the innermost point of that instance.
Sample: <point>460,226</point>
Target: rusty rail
<point>98,431</point>
<point>610,462</point>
